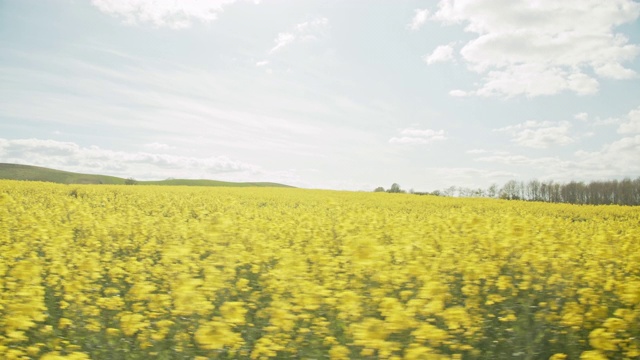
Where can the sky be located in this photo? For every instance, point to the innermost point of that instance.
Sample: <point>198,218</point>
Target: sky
<point>327,94</point>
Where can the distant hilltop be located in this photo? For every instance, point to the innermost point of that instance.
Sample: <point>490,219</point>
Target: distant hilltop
<point>37,173</point>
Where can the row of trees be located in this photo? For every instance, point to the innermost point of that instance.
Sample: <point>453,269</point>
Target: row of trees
<point>395,188</point>
<point>620,192</point>
<point>623,192</point>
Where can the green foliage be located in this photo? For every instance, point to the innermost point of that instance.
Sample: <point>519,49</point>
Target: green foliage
<point>395,188</point>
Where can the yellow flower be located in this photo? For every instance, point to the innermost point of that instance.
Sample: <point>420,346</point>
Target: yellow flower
<point>602,340</point>
<point>234,312</point>
<point>132,323</point>
<point>558,356</point>
<point>64,323</point>
<point>55,355</point>
<point>339,352</point>
<point>593,355</point>
<point>430,333</point>
<point>508,318</point>
<point>216,335</point>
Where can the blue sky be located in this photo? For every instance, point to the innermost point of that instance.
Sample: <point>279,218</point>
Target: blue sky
<point>344,95</point>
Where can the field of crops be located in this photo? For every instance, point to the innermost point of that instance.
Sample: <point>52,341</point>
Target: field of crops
<point>141,272</point>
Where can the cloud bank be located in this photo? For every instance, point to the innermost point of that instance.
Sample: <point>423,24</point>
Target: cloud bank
<point>92,159</point>
<point>163,13</point>
<point>539,134</point>
<point>305,31</point>
<point>417,136</point>
<point>545,47</point>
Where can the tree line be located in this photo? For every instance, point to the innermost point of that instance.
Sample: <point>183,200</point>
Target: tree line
<point>607,192</point>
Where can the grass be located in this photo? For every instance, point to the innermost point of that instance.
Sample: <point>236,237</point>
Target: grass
<point>36,173</point>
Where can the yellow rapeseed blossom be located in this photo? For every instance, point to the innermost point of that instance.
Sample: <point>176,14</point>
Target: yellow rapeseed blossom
<point>233,312</point>
<point>102,272</point>
<point>215,335</point>
<point>559,356</point>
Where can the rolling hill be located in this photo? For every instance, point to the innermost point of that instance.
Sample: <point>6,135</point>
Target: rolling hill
<point>36,173</point>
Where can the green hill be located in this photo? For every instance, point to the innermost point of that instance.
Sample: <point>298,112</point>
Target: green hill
<point>36,173</point>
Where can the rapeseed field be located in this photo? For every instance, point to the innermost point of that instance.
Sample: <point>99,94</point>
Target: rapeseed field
<point>144,272</point>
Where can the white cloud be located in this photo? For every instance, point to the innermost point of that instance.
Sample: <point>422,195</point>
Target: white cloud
<point>607,121</point>
<point>418,136</point>
<point>534,80</point>
<point>477,151</point>
<point>169,13</point>
<point>543,47</point>
<point>485,151</point>
<point>539,135</point>
<point>583,116</point>
<point>73,157</point>
<point>282,40</point>
<point>158,146</point>
<point>305,31</point>
<point>614,71</point>
<point>458,93</point>
<point>262,63</point>
<point>612,160</point>
<point>620,158</point>
<point>513,159</point>
<point>465,173</point>
<point>407,140</point>
<point>313,25</point>
<point>633,124</point>
<point>419,18</point>
<point>441,54</point>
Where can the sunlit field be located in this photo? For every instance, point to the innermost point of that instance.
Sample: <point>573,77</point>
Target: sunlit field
<point>141,272</point>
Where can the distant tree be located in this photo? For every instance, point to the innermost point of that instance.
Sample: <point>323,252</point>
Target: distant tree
<point>395,188</point>
<point>379,189</point>
<point>450,191</point>
<point>620,192</point>
<point>493,190</point>
<point>479,192</point>
<point>131,181</point>
<point>510,190</point>
<point>533,190</point>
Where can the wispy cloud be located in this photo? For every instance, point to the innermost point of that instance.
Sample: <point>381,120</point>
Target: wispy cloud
<point>442,53</point>
<point>305,31</point>
<point>544,47</point>
<point>583,116</point>
<point>632,124</point>
<point>419,19</point>
<point>163,13</point>
<point>168,99</point>
<point>73,157</point>
<point>159,146</point>
<point>458,93</point>
<point>282,40</point>
<point>485,151</point>
<point>537,134</point>
<point>418,136</point>
<point>310,29</point>
<point>612,160</point>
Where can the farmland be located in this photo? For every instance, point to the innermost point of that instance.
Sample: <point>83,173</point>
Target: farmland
<point>138,272</point>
